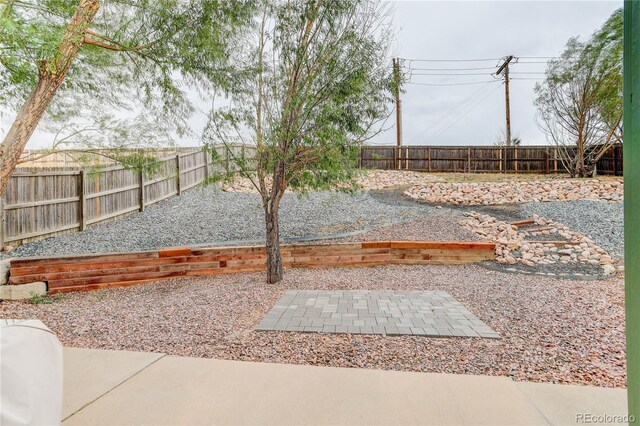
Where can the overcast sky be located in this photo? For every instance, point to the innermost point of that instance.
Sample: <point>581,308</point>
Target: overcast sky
<point>471,114</point>
<point>474,114</point>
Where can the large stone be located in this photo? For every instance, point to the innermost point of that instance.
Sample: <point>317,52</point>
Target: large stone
<point>22,291</point>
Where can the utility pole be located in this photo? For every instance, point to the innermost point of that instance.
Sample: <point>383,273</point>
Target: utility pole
<point>396,76</point>
<point>505,67</point>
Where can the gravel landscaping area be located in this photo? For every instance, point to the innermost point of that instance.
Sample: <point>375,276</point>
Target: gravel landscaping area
<point>602,221</point>
<point>209,216</point>
<point>552,330</point>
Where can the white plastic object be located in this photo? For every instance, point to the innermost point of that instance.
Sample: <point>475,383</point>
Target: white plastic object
<point>30,374</point>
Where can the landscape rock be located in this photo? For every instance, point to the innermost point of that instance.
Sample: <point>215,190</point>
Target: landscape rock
<point>519,245</point>
<point>494,193</point>
<point>22,291</point>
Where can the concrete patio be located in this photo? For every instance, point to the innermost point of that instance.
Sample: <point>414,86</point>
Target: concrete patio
<point>119,387</point>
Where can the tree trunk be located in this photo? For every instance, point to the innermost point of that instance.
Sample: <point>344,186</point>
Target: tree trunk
<point>51,74</point>
<point>274,258</point>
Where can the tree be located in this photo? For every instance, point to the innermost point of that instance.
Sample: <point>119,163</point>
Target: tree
<point>580,101</point>
<point>133,56</point>
<point>501,139</point>
<point>318,81</point>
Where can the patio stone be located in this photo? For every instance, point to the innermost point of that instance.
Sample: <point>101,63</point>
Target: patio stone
<point>417,313</point>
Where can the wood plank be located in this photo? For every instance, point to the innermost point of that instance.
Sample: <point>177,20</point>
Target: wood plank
<point>442,251</point>
<point>41,203</point>
<point>442,245</point>
<point>115,279</point>
<point>555,243</point>
<point>21,262</point>
<point>523,222</point>
<point>98,286</point>
<point>98,265</point>
<point>376,244</point>
<point>174,252</point>
<point>88,273</point>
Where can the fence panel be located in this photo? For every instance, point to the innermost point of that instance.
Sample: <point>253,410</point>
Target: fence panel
<point>40,204</point>
<point>478,159</point>
<point>378,157</point>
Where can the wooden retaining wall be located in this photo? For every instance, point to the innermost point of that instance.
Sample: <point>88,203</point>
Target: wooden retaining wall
<point>478,159</point>
<point>81,273</point>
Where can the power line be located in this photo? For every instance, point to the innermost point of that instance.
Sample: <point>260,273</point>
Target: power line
<point>454,84</point>
<point>450,74</point>
<point>450,60</point>
<point>450,111</point>
<point>461,116</point>
<point>452,69</point>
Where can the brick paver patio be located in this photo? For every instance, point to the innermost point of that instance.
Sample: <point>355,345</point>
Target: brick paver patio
<point>420,313</point>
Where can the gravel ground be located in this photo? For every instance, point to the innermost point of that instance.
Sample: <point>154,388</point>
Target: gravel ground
<point>602,221</point>
<point>209,216</point>
<point>553,331</point>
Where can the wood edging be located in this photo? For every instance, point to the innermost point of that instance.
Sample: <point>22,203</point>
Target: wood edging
<point>88,272</point>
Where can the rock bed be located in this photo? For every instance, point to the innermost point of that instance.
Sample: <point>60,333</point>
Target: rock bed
<point>539,243</point>
<point>209,216</point>
<point>371,179</point>
<point>603,222</point>
<point>558,331</point>
<point>495,193</point>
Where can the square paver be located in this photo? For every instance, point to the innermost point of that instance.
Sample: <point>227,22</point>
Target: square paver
<point>417,313</point>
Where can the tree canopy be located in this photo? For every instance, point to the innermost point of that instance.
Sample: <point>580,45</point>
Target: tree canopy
<point>580,101</point>
<point>126,70</point>
<point>317,83</point>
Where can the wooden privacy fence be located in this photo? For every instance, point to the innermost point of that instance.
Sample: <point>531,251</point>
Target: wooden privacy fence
<point>40,204</point>
<point>478,159</point>
<point>76,273</point>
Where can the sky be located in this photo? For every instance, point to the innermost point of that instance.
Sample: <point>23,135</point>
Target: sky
<point>469,114</point>
<point>474,114</point>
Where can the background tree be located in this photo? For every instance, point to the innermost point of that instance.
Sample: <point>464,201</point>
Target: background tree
<point>580,101</point>
<point>318,83</point>
<point>90,59</point>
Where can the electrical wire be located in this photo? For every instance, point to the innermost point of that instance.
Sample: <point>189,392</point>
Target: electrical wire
<point>449,74</point>
<point>450,60</point>
<point>454,120</point>
<point>442,118</point>
<point>538,57</point>
<point>452,69</point>
<point>453,84</point>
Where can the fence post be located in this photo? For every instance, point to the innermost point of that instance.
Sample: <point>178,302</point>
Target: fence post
<point>555,159</point>
<point>141,190</point>
<point>429,161</point>
<point>82,207</point>
<point>504,159</point>
<point>406,158</point>
<point>178,175</point>
<point>515,157</point>
<point>395,157</point>
<point>469,159</point>
<point>546,161</point>
<point>206,165</point>
<point>615,160</point>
